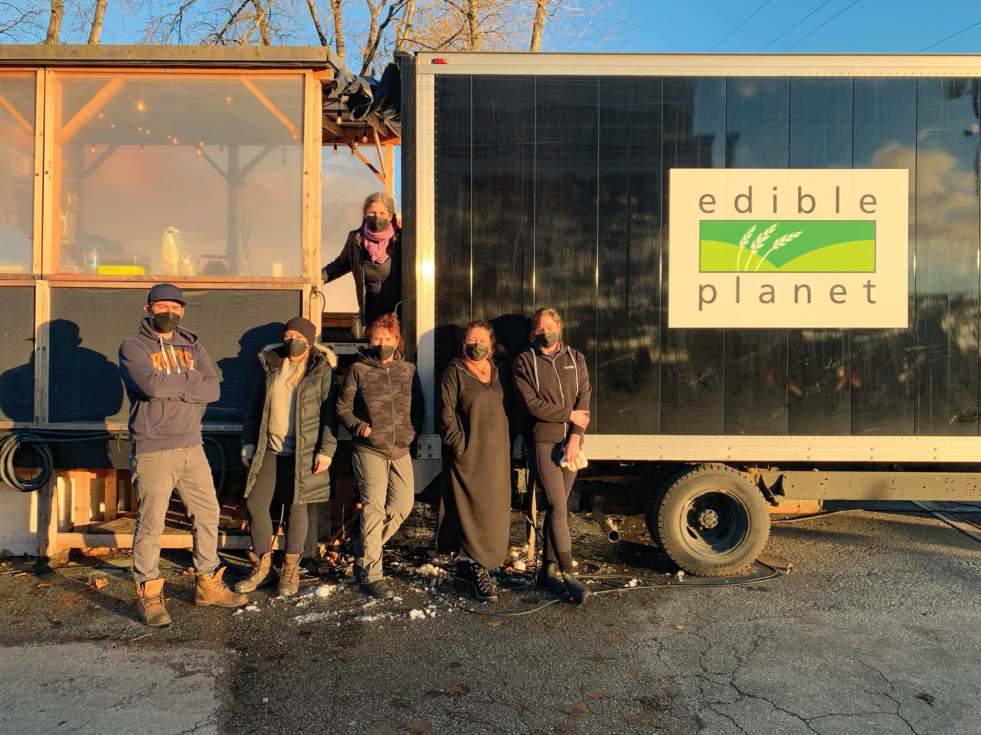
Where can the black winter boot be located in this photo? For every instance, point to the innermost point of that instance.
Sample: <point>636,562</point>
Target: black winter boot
<point>473,578</point>
<point>549,576</point>
<point>578,591</point>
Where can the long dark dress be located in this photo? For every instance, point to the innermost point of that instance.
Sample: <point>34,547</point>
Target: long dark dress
<point>477,462</point>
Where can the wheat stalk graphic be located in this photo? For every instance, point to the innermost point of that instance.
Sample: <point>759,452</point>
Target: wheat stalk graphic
<point>743,243</point>
<point>777,244</point>
<point>759,242</point>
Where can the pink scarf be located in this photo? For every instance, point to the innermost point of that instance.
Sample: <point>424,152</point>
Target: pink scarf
<point>376,243</point>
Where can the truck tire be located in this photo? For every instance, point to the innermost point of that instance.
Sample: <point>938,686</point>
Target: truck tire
<point>711,520</point>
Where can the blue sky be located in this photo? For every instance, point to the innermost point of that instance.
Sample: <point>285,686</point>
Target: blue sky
<point>866,25</point>
<point>698,25</point>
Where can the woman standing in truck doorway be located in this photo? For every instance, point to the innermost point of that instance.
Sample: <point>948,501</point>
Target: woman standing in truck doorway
<point>373,255</point>
<point>476,510</point>
<point>553,383</point>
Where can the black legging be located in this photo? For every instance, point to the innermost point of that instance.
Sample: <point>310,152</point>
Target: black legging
<point>273,491</point>
<point>557,484</point>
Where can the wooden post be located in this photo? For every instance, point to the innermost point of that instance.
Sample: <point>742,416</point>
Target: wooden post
<point>110,496</point>
<point>390,170</point>
<point>234,188</point>
<point>81,490</point>
<point>47,522</point>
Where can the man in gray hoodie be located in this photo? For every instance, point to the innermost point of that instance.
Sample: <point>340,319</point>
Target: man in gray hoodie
<point>170,380</point>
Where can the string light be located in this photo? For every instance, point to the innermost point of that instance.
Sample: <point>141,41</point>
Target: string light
<point>228,99</point>
<point>140,106</point>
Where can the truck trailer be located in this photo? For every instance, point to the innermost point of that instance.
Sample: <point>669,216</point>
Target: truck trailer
<point>771,263</point>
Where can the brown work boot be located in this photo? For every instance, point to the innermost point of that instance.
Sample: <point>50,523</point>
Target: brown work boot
<point>150,603</point>
<point>261,573</point>
<point>210,590</point>
<point>289,576</point>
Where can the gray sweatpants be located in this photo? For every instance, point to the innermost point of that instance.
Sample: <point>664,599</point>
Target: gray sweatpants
<point>155,475</point>
<point>387,494</point>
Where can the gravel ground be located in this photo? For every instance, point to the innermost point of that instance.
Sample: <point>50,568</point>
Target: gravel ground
<point>876,630</point>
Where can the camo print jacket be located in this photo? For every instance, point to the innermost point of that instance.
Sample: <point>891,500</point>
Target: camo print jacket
<point>388,398</point>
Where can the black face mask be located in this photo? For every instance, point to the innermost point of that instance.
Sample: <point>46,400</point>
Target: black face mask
<point>546,339</point>
<point>166,321</point>
<point>477,352</point>
<point>376,223</point>
<point>295,347</point>
<point>382,352</point>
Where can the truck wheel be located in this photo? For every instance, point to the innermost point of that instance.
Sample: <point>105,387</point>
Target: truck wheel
<point>712,521</point>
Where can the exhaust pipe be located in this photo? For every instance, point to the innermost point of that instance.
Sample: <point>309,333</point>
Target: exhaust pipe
<point>609,528</point>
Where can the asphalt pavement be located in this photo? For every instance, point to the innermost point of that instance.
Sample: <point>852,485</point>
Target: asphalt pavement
<point>875,630</point>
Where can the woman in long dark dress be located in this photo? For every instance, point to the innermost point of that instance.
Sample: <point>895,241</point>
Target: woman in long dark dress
<point>476,444</point>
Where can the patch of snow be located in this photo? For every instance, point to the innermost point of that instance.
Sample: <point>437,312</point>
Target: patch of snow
<point>314,617</point>
<point>417,615</point>
<point>430,570</point>
<point>325,590</point>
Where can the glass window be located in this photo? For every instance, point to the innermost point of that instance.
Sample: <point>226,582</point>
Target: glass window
<point>178,174</point>
<point>16,171</point>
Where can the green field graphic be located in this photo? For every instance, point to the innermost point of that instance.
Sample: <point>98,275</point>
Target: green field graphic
<point>786,246</point>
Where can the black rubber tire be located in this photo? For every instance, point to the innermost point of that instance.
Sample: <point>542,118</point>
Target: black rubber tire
<point>680,517</point>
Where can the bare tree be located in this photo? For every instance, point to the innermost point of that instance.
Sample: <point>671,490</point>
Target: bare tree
<point>20,21</point>
<point>403,28</point>
<point>338,21</point>
<point>538,25</point>
<point>54,22</point>
<point>261,20</point>
<point>466,25</point>
<point>474,35</point>
<point>376,29</point>
<point>312,7</point>
<point>95,32</point>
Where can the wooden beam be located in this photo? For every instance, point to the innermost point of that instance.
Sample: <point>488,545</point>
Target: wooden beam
<point>120,540</point>
<point>90,109</point>
<point>214,165</point>
<point>390,170</point>
<point>378,150</point>
<point>15,113</point>
<point>312,192</point>
<point>254,162</point>
<point>269,105</point>
<point>99,160</point>
<point>366,162</point>
<point>39,178</point>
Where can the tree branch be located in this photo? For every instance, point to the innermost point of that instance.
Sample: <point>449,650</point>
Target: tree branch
<point>54,21</point>
<point>95,32</point>
<point>311,5</point>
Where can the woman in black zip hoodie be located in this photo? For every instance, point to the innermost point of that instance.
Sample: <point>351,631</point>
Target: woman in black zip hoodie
<point>553,383</point>
<point>381,405</point>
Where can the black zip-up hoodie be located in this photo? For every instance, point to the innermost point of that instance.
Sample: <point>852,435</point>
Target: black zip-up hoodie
<point>551,387</point>
<point>388,398</point>
<point>169,383</point>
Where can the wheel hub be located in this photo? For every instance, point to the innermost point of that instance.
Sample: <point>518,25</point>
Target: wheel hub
<point>708,518</point>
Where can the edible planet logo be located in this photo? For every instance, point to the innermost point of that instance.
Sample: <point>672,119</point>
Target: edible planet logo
<point>786,248</point>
